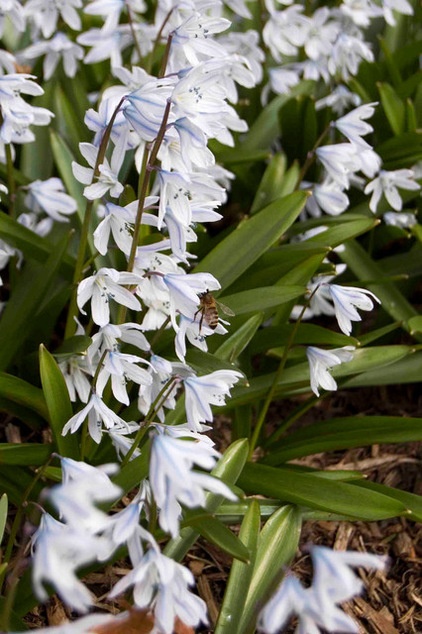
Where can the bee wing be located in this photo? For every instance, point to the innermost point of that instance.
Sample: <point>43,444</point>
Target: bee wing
<point>225,309</point>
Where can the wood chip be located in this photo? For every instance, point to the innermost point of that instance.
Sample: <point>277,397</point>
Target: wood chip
<point>378,620</point>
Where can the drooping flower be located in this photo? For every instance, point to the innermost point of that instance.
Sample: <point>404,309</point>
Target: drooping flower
<point>175,451</point>
<point>320,362</point>
<point>203,391</point>
<point>49,196</point>
<point>346,300</point>
<point>353,124</point>
<point>104,285</point>
<point>388,184</point>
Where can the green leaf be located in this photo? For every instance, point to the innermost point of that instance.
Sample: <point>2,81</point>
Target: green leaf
<point>217,533</point>
<point>24,454</point>
<point>265,128</point>
<point>32,245</point>
<point>340,233</point>
<point>342,433</point>
<point>23,393</point>
<point>18,316</point>
<point>415,324</point>
<point>77,344</point>
<point>241,248</point>
<point>362,265</point>
<point>412,501</point>
<point>404,370</point>
<point>306,334</point>
<point>394,107</point>
<point>270,184</point>
<point>307,490</point>
<point>277,545</point>
<point>262,298</point>
<point>63,158</point>
<point>3,515</point>
<point>240,574</point>
<point>234,344</point>
<point>58,403</point>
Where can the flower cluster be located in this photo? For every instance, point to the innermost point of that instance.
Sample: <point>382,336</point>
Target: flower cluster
<point>317,606</point>
<point>137,285</point>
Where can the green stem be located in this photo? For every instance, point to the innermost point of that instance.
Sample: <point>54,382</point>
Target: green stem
<point>155,406</point>
<point>132,29</point>
<point>11,183</point>
<point>148,65</point>
<point>277,377</point>
<point>85,431</point>
<point>310,158</point>
<point>80,259</point>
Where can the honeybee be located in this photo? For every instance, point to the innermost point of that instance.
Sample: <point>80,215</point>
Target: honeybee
<point>208,307</point>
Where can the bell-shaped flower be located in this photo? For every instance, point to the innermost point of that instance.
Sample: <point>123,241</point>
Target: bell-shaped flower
<point>121,367</point>
<point>174,453</point>
<point>98,415</point>
<point>340,161</point>
<point>144,108</point>
<point>108,177</point>
<point>46,14</point>
<point>321,361</point>
<point>184,291</point>
<point>203,391</point>
<point>76,370</point>
<point>316,607</point>
<point>162,585</point>
<point>388,184</point>
<point>49,196</point>
<point>58,551</point>
<point>82,489</point>
<point>346,300</point>
<point>353,124</point>
<point>59,47</point>
<point>104,285</point>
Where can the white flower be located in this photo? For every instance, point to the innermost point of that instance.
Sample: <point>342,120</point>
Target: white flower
<point>14,11</point>
<point>327,196</point>
<point>49,196</point>
<point>75,370</point>
<point>340,161</point>
<point>338,99</point>
<point>402,220</point>
<point>161,584</point>
<point>98,413</point>
<point>83,487</point>
<point>106,284</point>
<point>59,550</point>
<point>353,126</point>
<point>108,177</point>
<point>401,6</point>
<point>387,183</point>
<point>346,299</point>
<point>46,13</point>
<point>347,53</point>
<point>316,606</point>
<point>320,361</point>
<point>174,453</point>
<point>119,222</point>
<point>203,391</point>
<point>144,108</point>
<point>60,46</point>
<point>184,291</point>
<point>121,367</point>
